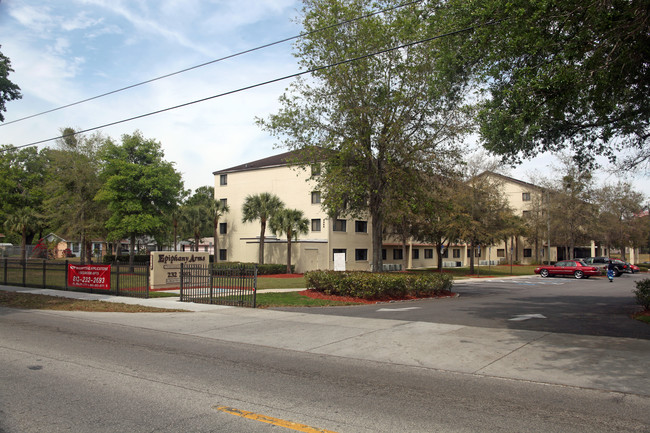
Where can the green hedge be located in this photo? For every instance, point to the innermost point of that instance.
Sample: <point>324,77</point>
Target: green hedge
<point>367,285</point>
<point>265,269</point>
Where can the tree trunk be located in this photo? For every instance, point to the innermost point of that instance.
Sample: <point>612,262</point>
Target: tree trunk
<point>260,258</point>
<point>289,252</point>
<point>471,258</point>
<point>131,251</point>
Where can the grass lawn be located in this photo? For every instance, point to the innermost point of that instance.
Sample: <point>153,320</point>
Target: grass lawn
<point>294,299</point>
<point>43,302</point>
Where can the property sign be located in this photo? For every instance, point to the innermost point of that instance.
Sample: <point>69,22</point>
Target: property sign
<point>165,267</point>
<point>90,276</point>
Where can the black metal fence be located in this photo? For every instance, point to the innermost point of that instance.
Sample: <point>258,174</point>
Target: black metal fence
<point>234,285</point>
<point>48,274</point>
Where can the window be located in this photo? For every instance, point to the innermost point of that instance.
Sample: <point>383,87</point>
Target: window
<point>416,253</point>
<point>224,202</point>
<point>223,228</point>
<point>525,214</point>
<point>525,196</point>
<point>361,254</point>
<point>456,253</point>
<point>398,254</point>
<point>339,251</point>
<point>223,255</point>
<point>445,253</point>
<point>361,226</point>
<point>477,252</point>
<point>315,170</point>
<point>223,179</point>
<point>528,252</point>
<point>428,253</point>
<point>340,225</point>
<point>315,197</point>
<point>383,253</point>
<point>75,247</point>
<point>501,252</point>
<point>315,225</point>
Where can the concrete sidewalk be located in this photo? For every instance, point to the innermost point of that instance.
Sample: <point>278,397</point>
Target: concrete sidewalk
<point>603,363</point>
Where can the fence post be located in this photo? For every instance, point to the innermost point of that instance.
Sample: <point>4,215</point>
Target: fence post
<point>66,275</point>
<point>147,268</point>
<point>117,278</point>
<point>211,271</point>
<point>255,286</point>
<point>24,263</point>
<point>6,264</point>
<point>181,279</point>
<point>44,269</point>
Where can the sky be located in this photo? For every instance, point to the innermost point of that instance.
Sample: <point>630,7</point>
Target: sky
<point>64,51</point>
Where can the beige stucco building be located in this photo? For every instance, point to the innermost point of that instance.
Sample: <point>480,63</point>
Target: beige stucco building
<point>350,239</point>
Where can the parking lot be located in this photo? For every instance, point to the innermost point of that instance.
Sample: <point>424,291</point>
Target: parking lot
<point>591,306</point>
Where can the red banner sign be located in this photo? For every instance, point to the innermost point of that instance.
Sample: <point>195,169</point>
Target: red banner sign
<point>90,276</point>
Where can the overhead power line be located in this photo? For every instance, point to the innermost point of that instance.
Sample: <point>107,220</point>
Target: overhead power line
<point>230,56</point>
<point>253,86</point>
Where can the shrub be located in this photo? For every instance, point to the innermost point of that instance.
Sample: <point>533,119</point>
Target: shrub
<point>642,293</point>
<point>366,285</point>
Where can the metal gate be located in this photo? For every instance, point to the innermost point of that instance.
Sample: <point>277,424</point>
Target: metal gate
<point>230,284</point>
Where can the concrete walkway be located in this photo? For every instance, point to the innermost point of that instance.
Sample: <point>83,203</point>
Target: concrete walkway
<point>602,363</point>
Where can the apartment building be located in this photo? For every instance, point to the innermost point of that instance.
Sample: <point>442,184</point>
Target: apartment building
<point>350,238</point>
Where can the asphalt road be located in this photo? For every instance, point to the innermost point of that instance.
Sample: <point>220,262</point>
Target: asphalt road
<point>70,372</point>
<point>591,306</point>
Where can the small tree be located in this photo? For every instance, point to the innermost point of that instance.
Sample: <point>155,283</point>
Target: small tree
<point>292,223</point>
<point>196,222</point>
<point>21,222</point>
<point>261,207</point>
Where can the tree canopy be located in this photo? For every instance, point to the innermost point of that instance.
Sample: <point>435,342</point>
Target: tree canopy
<point>8,90</point>
<point>383,120</point>
<point>566,74</point>
<point>140,188</point>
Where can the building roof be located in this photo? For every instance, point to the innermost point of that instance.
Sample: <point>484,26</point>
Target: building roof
<point>283,159</point>
<point>510,179</point>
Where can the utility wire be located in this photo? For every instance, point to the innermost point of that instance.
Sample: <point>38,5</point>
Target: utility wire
<point>230,56</point>
<point>253,86</point>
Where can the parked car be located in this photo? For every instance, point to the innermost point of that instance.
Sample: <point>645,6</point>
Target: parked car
<point>575,268</point>
<point>633,269</point>
<point>602,262</point>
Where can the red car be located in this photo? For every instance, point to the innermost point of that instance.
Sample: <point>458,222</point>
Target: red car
<point>575,268</point>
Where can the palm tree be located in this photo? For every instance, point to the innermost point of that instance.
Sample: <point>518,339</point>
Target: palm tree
<point>217,210</point>
<point>292,223</point>
<point>261,207</point>
<point>195,221</point>
<point>21,222</point>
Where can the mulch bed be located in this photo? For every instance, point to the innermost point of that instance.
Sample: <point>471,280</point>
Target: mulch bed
<point>318,295</point>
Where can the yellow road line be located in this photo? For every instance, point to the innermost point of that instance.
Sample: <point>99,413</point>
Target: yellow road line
<point>271,420</point>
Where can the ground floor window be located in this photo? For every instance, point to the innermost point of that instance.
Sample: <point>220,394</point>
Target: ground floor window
<point>338,251</point>
<point>361,254</point>
<point>528,252</point>
<point>456,253</point>
<point>501,252</point>
<point>223,254</point>
<point>428,253</point>
<point>416,253</point>
<point>383,253</point>
<point>315,225</point>
<point>398,254</point>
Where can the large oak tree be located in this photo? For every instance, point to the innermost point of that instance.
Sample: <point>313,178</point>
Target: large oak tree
<point>377,123</point>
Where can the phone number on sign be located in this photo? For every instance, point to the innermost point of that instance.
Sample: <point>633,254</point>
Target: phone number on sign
<point>88,280</point>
